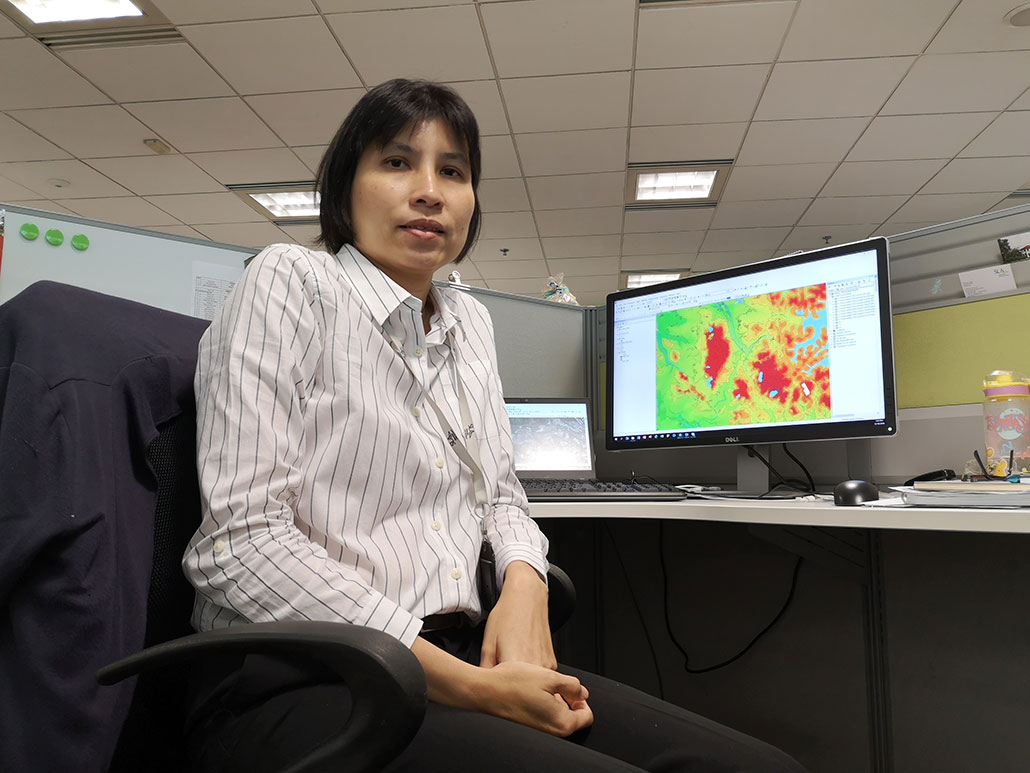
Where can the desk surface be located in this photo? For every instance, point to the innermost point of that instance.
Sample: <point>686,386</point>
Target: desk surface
<point>797,513</point>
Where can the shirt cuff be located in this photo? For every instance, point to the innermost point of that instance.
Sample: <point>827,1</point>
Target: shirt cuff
<point>505,554</point>
<point>390,618</point>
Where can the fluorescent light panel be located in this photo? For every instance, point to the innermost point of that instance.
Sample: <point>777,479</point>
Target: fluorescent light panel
<point>648,279</point>
<point>665,186</point>
<point>292,204</point>
<point>49,11</point>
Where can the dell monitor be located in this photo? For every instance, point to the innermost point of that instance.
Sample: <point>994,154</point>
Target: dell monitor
<point>796,348</point>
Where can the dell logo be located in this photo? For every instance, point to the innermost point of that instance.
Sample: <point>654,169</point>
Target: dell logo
<point>732,439</point>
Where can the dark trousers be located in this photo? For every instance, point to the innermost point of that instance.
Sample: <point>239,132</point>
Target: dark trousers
<point>260,713</point>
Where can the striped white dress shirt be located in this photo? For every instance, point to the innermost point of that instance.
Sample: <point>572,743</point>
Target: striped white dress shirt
<point>329,489</point>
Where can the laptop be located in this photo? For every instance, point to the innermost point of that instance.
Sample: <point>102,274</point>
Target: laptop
<point>554,455</point>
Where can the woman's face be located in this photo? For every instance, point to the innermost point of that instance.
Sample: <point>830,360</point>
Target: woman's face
<point>411,203</point>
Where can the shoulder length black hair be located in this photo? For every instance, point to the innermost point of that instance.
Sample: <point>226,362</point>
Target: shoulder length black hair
<point>378,117</point>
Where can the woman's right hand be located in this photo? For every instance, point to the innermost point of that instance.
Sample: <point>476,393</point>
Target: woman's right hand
<point>535,696</point>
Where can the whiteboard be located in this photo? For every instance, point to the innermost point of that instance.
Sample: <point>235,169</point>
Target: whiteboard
<point>188,276</point>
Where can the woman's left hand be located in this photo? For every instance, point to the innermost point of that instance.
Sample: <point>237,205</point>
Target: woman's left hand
<point>517,628</point>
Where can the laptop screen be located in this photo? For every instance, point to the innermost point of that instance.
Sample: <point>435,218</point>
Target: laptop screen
<point>551,438</point>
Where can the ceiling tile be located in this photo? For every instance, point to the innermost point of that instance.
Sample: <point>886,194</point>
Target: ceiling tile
<point>178,230</point>
<point>606,189</point>
<point>943,208</point>
<point>97,131</point>
<point>686,242</point>
<point>961,83</point>
<point>11,192</point>
<point>147,73</point>
<point>507,225</point>
<point>442,44</point>
<point>311,156</point>
<point>974,175</point>
<point>236,167</point>
<point>918,136</point>
<point>732,240</point>
<point>714,261</point>
<point>306,117</point>
<point>653,220</point>
<point>594,150</point>
<point>703,94</point>
<point>777,181</point>
<point>347,6</point>
<point>275,55</point>
<point>547,37</point>
<point>591,298</point>
<point>894,228</point>
<point>157,174</point>
<point>503,269</point>
<point>813,89</point>
<point>53,83</point>
<point>20,144</point>
<point>207,208</point>
<point>978,25</point>
<point>580,222</point>
<point>197,125</point>
<point>594,283</point>
<point>567,102</point>
<point>507,195</point>
<point>754,214</point>
<point>534,288</point>
<point>812,237</point>
<point>43,204</point>
<point>799,142</point>
<point>580,267</point>
<point>79,181</point>
<point>199,11</point>
<point>484,99</point>
<point>680,261</point>
<point>499,159</point>
<point>244,234</point>
<point>695,142</point>
<point>487,250</point>
<point>124,210</point>
<point>581,246</point>
<point>696,36</point>
<point>302,234</point>
<point>881,178</point>
<point>851,210</point>
<point>1007,136</point>
<point>1023,103</point>
<point>8,29</point>
<point>842,29</point>
<point>466,269</point>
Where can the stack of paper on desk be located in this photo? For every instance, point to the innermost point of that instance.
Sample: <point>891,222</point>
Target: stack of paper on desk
<point>956,493</point>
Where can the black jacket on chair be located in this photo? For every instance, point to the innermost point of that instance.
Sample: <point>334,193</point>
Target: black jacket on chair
<point>83,387</point>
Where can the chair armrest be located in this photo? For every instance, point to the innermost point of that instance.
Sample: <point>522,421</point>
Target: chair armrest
<point>385,678</point>
<point>561,597</point>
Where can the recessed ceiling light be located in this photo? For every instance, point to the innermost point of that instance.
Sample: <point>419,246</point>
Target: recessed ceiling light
<point>685,183</point>
<point>291,204</point>
<point>649,278</point>
<point>50,11</point>
<point>1019,16</point>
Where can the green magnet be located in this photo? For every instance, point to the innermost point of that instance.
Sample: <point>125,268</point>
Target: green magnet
<point>54,237</point>
<point>29,232</point>
<point>80,242</point>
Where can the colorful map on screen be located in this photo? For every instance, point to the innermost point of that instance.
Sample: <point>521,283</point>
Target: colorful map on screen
<point>752,360</point>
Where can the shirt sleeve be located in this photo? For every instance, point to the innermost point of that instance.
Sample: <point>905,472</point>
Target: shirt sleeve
<point>513,535</point>
<point>256,364</point>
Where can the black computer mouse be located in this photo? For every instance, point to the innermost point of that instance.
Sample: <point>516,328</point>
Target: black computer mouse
<point>854,492</point>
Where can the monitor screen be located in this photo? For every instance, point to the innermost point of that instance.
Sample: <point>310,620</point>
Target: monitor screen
<point>794,348</point>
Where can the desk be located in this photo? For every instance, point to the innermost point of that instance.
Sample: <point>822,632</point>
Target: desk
<point>941,661</point>
<point>798,513</point>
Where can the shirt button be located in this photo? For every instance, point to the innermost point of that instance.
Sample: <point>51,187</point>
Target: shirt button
<point>436,525</point>
<point>416,411</point>
<point>456,573</point>
<point>438,461</point>
<point>219,546</point>
<point>418,351</point>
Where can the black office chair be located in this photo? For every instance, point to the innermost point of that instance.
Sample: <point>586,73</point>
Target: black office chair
<point>99,389</point>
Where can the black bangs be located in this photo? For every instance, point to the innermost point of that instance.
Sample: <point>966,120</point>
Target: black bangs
<point>378,117</point>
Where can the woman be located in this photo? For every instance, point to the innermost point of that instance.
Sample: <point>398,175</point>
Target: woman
<point>354,453</point>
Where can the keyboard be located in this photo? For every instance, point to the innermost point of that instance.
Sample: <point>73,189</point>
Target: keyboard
<point>575,489</point>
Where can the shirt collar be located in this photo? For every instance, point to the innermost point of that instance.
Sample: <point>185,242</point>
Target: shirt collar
<point>383,296</point>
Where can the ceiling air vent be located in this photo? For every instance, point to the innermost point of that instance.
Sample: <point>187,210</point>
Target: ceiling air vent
<point>129,36</point>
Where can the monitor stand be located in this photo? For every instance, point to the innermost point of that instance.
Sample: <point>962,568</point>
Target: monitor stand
<point>753,477</point>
